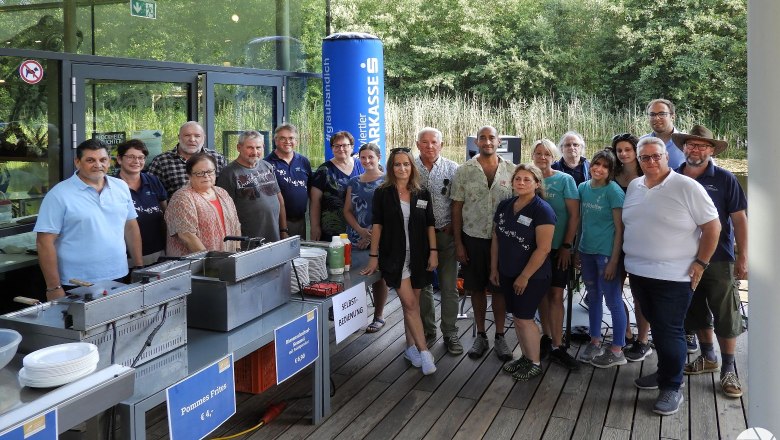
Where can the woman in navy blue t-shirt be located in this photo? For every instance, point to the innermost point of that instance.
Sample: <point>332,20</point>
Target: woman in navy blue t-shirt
<point>520,264</point>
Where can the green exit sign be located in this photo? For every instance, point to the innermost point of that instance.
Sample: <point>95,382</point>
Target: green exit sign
<point>143,8</point>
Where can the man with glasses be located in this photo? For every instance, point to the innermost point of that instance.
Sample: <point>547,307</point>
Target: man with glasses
<point>293,174</point>
<point>170,167</point>
<point>252,185</point>
<point>572,162</point>
<point>717,295</point>
<point>671,232</point>
<point>87,225</point>
<point>436,175</point>
<point>479,185</point>
<point>660,113</point>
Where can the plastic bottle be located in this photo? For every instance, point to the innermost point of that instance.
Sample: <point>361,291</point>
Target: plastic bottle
<point>347,251</point>
<point>336,256</point>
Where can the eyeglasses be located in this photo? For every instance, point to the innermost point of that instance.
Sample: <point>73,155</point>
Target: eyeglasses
<point>622,137</point>
<point>700,147</point>
<point>572,145</point>
<point>404,149</point>
<point>446,183</point>
<point>131,157</point>
<point>652,115</point>
<point>648,157</point>
<point>344,146</point>
<point>204,173</point>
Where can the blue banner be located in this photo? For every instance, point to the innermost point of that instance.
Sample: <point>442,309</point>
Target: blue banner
<point>41,427</point>
<point>353,85</point>
<point>297,345</point>
<point>200,403</point>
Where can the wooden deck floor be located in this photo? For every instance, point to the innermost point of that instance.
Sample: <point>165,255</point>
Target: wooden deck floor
<point>378,396</point>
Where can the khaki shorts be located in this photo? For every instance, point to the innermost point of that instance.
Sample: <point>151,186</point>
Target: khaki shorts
<point>715,302</point>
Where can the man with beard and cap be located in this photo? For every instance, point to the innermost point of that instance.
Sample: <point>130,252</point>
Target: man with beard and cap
<point>170,167</point>
<point>717,295</point>
<point>480,184</point>
<point>252,185</point>
<point>660,114</point>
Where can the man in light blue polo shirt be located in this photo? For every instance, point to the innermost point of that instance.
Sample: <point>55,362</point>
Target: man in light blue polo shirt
<point>87,224</point>
<point>660,114</point>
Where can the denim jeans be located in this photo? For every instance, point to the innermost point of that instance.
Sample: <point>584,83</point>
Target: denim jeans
<point>665,304</point>
<point>593,267</point>
<point>448,274</point>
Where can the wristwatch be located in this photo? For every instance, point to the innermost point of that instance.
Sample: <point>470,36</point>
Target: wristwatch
<point>701,263</point>
<point>566,245</point>
<point>284,230</point>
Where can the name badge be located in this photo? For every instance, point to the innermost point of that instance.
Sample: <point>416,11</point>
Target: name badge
<point>422,204</point>
<point>523,220</point>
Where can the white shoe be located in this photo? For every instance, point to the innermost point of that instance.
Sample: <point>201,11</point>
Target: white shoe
<point>412,355</point>
<point>428,363</point>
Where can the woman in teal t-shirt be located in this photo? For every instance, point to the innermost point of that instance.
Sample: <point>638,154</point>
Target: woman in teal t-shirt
<point>601,232</point>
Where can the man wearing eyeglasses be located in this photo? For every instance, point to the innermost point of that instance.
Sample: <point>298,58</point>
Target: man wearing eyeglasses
<point>252,185</point>
<point>479,185</point>
<point>170,167</point>
<point>293,174</point>
<point>572,162</point>
<point>671,232</point>
<point>436,175</point>
<point>717,295</point>
<point>660,113</point>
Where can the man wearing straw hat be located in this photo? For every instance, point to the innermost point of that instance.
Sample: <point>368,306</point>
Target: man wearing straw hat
<point>717,295</point>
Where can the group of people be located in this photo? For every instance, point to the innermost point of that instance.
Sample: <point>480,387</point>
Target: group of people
<point>656,209</point>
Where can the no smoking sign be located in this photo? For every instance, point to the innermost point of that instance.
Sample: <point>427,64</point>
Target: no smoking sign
<point>31,71</point>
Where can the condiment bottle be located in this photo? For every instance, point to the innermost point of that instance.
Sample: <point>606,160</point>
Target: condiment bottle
<point>336,256</point>
<point>347,251</point>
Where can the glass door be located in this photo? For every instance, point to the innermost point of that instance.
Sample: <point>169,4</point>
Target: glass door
<point>120,103</point>
<point>235,102</point>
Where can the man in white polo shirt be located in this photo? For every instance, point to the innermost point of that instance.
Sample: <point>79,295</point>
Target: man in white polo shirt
<point>671,231</point>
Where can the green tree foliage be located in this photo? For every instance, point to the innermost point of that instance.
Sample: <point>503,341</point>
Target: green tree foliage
<point>629,51</point>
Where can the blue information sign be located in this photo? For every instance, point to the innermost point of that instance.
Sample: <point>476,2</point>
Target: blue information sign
<point>40,427</point>
<point>199,404</point>
<point>297,345</point>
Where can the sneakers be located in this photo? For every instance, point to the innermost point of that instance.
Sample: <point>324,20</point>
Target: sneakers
<point>502,350</point>
<point>480,346</point>
<point>729,382</point>
<point>454,347</point>
<point>668,402</point>
<point>428,363</point>
<point>562,357</point>
<point>545,347</point>
<point>430,340</point>
<point>690,341</point>
<point>527,372</point>
<point>701,365</point>
<point>589,353</point>
<point>630,342</point>
<point>638,352</point>
<point>608,359</point>
<point>649,382</point>
<point>412,355</point>
<point>511,367</point>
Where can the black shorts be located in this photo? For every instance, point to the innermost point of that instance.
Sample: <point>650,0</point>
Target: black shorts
<point>560,277</point>
<point>476,274</point>
<point>524,306</point>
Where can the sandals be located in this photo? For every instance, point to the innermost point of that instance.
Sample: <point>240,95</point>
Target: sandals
<point>375,326</point>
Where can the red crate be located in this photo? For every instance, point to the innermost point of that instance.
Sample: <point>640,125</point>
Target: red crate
<point>256,372</point>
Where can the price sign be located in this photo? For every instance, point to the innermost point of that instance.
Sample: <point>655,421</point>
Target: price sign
<point>200,403</point>
<point>297,345</point>
<point>40,427</point>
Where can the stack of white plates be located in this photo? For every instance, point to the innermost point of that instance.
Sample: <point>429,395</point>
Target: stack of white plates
<point>59,364</point>
<point>318,269</point>
<point>301,266</point>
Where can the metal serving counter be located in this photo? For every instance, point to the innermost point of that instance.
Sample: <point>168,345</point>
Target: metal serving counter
<point>76,402</point>
<point>205,347</point>
<point>350,279</point>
